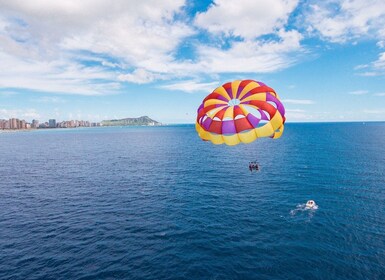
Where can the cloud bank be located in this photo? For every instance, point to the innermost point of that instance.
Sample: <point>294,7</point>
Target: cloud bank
<point>95,47</point>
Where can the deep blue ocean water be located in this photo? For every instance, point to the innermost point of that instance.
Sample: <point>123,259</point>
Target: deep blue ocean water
<point>159,203</point>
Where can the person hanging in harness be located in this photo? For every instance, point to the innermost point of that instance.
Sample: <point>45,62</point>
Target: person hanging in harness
<point>253,165</point>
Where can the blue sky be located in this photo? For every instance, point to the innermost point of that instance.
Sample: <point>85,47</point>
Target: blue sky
<point>99,59</point>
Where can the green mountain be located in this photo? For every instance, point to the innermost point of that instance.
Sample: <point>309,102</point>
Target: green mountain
<point>144,120</point>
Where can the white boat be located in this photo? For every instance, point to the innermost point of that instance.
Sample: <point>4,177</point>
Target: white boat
<point>311,204</point>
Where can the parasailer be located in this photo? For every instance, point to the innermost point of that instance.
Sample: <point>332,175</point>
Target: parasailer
<point>253,165</point>
<point>240,112</point>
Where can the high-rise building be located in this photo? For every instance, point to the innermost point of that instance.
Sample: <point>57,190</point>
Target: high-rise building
<point>35,124</point>
<point>22,124</point>
<point>52,123</point>
<point>5,124</point>
<point>13,123</point>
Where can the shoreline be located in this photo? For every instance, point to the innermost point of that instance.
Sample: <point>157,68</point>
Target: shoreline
<point>15,130</point>
<point>70,128</point>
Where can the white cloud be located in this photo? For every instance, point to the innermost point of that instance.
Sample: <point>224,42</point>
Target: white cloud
<point>374,111</point>
<point>92,47</point>
<point>245,18</point>
<point>344,21</point>
<point>298,101</point>
<point>27,114</point>
<point>192,86</point>
<point>381,44</point>
<point>62,76</point>
<point>375,68</point>
<point>8,93</point>
<point>297,115</point>
<point>295,110</point>
<point>379,64</point>
<point>50,99</point>
<point>42,41</point>
<point>362,66</point>
<point>252,56</point>
<point>348,20</point>
<point>369,74</point>
<point>358,92</point>
<point>380,94</point>
<point>243,50</point>
<point>139,76</point>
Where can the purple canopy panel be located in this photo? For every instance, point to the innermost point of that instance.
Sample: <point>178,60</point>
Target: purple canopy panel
<point>262,84</point>
<point>263,115</point>
<point>253,120</point>
<point>270,97</point>
<point>228,127</point>
<point>230,92</point>
<point>200,108</point>
<point>220,105</point>
<point>239,91</point>
<point>207,122</point>
<point>220,97</point>
<point>280,108</point>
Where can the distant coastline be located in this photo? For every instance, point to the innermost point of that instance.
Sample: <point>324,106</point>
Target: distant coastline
<point>15,124</point>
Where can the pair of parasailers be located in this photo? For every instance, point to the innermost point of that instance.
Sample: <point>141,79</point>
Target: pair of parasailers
<point>253,165</point>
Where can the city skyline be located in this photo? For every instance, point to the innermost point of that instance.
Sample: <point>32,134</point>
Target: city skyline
<point>16,123</point>
<point>102,60</point>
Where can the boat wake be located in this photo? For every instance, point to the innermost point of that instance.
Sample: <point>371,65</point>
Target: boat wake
<point>304,209</point>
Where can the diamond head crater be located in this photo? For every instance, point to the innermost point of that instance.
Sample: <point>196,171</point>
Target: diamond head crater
<point>141,121</point>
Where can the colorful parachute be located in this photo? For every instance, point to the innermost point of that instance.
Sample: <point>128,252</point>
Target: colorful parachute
<point>240,111</point>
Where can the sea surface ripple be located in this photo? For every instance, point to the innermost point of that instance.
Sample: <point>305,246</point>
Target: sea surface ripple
<point>159,203</point>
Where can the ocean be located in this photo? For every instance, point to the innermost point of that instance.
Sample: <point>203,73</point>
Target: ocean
<point>159,203</point>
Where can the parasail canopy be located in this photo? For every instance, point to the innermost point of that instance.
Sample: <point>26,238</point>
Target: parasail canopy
<point>240,112</point>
